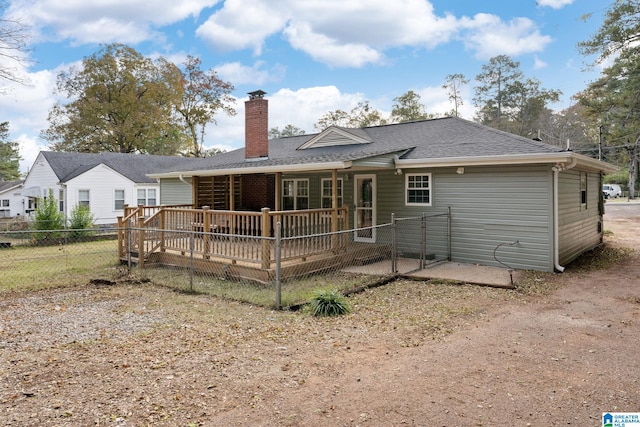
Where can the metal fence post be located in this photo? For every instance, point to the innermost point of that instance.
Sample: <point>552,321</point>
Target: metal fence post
<point>191,250</point>
<point>449,233</point>
<point>278,267</point>
<point>423,240</point>
<point>394,246</point>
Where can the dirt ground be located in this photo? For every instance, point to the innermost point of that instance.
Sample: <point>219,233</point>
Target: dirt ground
<point>560,350</point>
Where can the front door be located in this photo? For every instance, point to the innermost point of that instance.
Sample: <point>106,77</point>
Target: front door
<point>365,210</point>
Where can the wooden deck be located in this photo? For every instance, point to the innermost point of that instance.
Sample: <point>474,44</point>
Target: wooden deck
<point>241,245</point>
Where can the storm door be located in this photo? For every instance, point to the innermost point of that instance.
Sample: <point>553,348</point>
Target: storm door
<point>365,209</point>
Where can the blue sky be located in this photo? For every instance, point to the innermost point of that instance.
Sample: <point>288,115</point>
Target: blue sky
<point>310,56</point>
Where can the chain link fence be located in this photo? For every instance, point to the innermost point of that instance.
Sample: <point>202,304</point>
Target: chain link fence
<point>39,259</point>
<point>282,270</point>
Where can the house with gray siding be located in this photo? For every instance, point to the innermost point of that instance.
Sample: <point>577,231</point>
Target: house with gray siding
<point>541,205</point>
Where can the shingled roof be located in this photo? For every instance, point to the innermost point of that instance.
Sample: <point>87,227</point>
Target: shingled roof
<point>428,142</point>
<point>135,167</point>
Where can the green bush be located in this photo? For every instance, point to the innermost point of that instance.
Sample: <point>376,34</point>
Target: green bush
<point>81,221</point>
<point>329,303</point>
<point>47,217</point>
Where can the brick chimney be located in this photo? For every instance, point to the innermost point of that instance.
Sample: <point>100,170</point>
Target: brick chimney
<point>256,127</point>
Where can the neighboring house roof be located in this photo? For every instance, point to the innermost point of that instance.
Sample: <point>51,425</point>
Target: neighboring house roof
<point>135,167</point>
<point>449,141</point>
<point>9,185</point>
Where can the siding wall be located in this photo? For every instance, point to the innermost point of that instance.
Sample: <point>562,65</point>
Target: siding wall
<point>175,192</point>
<point>579,227</point>
<point>102,182</point>
<point>489,206</point>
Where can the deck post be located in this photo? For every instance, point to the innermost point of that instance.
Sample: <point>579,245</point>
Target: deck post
<point>162,227</point>
<point>120,238</point>
<point>206,228</point>
<point>266,234</point>
<point>334,211</point>
<point>141,241</point>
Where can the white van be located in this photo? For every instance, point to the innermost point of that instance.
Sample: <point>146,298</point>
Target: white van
<point>611,191</point>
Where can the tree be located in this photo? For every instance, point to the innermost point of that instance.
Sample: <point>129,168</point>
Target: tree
<point>529,102</point>
<point>364,115</point>
<point>338,118</point>
<point>453,83</point>
<point>9,155</point>
<point>614,99</point>
<point>493,93</point>
<point>13,37</point>
<point>619,31</point>
<point>361,116</point>
<point>120,102</point>
<point>288,130</point>
<point>613,103</point>
<point>407,108</point>
<point>203,95</point>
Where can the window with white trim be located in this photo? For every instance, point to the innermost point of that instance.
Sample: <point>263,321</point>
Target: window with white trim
<point>5,203</point>
<point>417,189</point>
<point>61,200</point>
<point>83,198</point>
<point>327,195</point>
<point>295,194</point>
<point>147,196</point>
<point>118,200</point>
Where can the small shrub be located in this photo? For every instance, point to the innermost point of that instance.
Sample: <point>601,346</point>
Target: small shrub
<point>81,221</point>
<point>47,217</point>
<point>329,303</point>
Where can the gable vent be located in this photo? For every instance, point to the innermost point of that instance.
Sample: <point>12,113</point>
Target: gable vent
<point>333,137</point>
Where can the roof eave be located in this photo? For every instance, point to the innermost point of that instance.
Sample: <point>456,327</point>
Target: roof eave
<point>307,167</point>
<point>505,160</point>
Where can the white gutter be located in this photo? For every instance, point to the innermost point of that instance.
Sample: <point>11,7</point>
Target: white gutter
<point>515,159</point>
<point>181,178</point>
<point>556,229</point>
<point>305,167</point>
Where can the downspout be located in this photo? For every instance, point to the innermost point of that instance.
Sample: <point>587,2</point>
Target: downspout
<point>556,229</point>
<point>181,178</point>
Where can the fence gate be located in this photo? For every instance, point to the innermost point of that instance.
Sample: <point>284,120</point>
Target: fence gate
<point>420,241</point>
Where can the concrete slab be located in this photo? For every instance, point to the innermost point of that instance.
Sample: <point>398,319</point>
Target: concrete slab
<point>469,273</point>
<point>455,271</point>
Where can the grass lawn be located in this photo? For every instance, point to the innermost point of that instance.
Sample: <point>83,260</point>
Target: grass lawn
<point>33,268</point>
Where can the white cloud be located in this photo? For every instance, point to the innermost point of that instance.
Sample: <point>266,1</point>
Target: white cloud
<point>241,25</point>
<point>126,21</point>
<point>554,4</point>
<point>256,74</point>
<point>538,63</point>
<point>490,36</point>
<point>301,108</point>
<point>353,33</point>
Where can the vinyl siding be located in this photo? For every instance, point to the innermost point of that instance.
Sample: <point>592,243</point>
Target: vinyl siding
<point>579,227</point>
<point>175,192</point>
<point>102,182</point>
<point>489,207</point>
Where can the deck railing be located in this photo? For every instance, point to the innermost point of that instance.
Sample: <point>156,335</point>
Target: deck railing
<point>233,235</point>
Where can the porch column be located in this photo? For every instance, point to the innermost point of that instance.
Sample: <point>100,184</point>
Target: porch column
<point>278,201</point>
<point>195,182</point>
<point>232,193</point>
<point>232,204</point>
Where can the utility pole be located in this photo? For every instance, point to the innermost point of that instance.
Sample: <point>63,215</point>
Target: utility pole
<point>600,142</point>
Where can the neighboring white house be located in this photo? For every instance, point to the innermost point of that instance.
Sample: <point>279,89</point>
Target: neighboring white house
<point>11,199</point>
<point>104,181</point>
